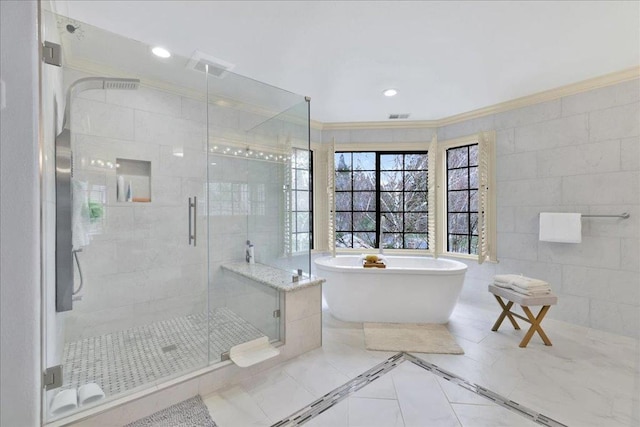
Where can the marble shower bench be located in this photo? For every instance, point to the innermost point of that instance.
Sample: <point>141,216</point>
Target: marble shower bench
<point>300,332</point>
<point>300,303</point>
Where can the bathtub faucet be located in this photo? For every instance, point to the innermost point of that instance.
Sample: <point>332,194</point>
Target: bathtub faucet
<point>383,222</point>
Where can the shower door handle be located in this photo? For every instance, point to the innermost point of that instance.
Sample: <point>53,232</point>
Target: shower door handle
<point>192,223</point>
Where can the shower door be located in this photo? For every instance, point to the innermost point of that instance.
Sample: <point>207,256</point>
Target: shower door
<point>136,312</point>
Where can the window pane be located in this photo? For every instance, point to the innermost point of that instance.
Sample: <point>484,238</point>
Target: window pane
<point>302,180</point>
<point>458,179</point>
<point>343,201</point>
<point>474,223</point>
<point>343,161</point>
<point>458,201</point>
<point>416,241</point>
<point>364,161</point>
<point>302,241</point>
<point>392,241</point>
<point>364,180</point>
<point>458,223</point>
<point>473,177</point>
<point>415,201</point>
<point>343,221</point>
<point>394,222</point>
<point>415,180</point>
<point>474,200</point>
<point>364,201</point>
<point>459,244</point>
<point>343,240</point>
<point>343,181</point>
<point>391,162</point>
<point>390,201</point>
<point>302,200</point>
<point>400,194</point>
<point>302,159</point>
<point>364,240</point>
<point>415,222</point>
<point>473,155</point>
<point>302,221</point>
<point>390,181</point>
<point>457,157</point>
<point>364,221</point>
<point>415,162</point>
<point>474,245</point>
<point>462,198</point>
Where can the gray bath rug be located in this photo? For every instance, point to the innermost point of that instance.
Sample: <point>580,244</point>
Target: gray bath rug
<point>190,413</point>
<point>410,337</point>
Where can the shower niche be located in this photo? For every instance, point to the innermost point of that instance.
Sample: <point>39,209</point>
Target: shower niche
<point>185,167</point>
<point>133,180</point>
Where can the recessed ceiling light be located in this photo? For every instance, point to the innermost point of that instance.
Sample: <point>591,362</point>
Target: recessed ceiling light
<point>161,52</point>
<point>390,92</point>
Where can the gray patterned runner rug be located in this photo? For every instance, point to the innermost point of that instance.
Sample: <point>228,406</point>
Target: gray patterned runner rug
<point>190,413</point>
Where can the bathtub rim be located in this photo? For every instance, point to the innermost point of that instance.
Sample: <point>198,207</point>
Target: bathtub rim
<point>355,269</point>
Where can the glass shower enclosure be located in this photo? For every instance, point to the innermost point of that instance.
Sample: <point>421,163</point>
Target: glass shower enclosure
<point>158,173</point>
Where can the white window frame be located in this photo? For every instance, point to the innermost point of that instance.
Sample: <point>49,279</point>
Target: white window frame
<point>441,203</point>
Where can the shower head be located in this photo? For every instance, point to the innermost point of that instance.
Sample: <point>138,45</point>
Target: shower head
<point>89,83</point>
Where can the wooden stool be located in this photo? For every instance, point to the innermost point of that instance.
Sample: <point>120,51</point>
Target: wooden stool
<point>525,302</point>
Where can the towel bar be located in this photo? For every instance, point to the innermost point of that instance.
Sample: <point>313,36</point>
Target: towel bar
<point>623,215</point>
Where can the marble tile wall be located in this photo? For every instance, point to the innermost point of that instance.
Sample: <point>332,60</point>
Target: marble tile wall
<point>138,267</point>
<point>579,153</point>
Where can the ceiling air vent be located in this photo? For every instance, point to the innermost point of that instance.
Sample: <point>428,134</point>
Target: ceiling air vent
<point>217,67</point>
<point>399,116</point>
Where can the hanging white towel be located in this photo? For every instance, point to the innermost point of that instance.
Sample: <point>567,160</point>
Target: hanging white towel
<point>80,219</point>
<point>560,227</point>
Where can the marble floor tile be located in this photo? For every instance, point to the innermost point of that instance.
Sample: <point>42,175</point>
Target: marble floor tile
<point>421,399</point>
<point>587,378</point>
<point>315,374</point>
<point>489,416</point>
<point>234,407</point>
<point>276,393</point>
<point>365,412</point>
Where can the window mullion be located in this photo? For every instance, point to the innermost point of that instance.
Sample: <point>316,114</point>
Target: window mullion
<point>378,203</point>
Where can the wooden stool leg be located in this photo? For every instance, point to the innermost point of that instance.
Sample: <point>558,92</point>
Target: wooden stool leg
<point>505,313</point>
<point>535,326</point>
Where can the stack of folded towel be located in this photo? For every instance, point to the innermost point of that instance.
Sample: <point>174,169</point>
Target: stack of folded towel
<point>522,284</point>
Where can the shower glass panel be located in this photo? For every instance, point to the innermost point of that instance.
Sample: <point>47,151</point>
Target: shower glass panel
<point>172,168</point>
<point>139,313</point>
<point>253,128</point>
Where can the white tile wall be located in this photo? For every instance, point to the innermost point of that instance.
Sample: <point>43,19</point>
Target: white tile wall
<point>580,153</point>
<point>138,267</point>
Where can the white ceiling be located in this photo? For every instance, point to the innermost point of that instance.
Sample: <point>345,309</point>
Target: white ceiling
<point>444,58</point>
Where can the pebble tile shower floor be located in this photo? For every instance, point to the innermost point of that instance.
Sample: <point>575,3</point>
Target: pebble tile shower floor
<point>124,360</point>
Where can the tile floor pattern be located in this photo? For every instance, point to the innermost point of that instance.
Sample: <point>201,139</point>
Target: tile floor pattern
<point>124,360</point>
<point>587,378</point>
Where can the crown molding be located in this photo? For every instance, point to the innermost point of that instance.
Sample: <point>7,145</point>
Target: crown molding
<point>536,98</point>
<point>404,124</point>
<point>547,95</point>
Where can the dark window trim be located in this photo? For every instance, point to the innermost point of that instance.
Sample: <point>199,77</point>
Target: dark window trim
<point>378,195</point>
<point>469,235</point>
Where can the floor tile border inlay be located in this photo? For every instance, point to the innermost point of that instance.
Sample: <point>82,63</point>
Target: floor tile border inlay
<point>335,396</point>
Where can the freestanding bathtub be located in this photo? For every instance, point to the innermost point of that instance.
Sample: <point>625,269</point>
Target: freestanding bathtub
<point>410,290</point>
